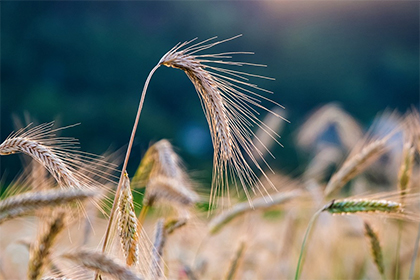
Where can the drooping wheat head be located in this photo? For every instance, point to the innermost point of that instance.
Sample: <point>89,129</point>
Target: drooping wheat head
<point>230,104</point>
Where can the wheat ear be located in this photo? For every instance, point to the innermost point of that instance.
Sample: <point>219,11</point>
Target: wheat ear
<point>34,144</point>
<point>375,249</point>
<point>40,250</point>
<point>229,103</point>
<point>23,204</point>
<point>217,223</point>
<point>350,206</point>
<point>127,224</point>
<point>103,264</point>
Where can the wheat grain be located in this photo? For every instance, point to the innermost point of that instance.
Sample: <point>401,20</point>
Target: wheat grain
<point>127,224</point>
<point>40,250</point>
<point>102,263</point>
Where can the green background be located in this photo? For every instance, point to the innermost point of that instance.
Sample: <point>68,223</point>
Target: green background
<point>86,62</point>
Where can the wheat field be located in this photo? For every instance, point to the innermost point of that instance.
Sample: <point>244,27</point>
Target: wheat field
<point>353,212</point>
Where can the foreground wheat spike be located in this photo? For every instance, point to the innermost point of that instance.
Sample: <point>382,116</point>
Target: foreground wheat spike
<point>349,206</point>
<point>217,223</point>
<point>376,249</point>
<point>25,203</point>
<point>127,224</point>
<point>40,250</point>
<point>102,263</point>
<point>230,104</point>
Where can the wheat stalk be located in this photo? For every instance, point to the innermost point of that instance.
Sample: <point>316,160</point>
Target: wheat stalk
<point>22,204</point>
<point>127,224</point>
<point>375,249</point>
<point>102,263</point>
<point>350,206</point>
<point>40,250</point>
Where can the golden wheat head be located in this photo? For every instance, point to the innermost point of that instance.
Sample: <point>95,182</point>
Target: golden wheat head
<point>230,104</point>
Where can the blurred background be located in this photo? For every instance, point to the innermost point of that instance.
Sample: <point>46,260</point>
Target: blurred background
<point>86,62</point>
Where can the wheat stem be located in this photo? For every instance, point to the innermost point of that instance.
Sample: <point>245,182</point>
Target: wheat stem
<point>127,156</point>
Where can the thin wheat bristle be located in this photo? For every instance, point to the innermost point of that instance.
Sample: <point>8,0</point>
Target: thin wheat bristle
<point>105,265</point>
<point>157,251</point>
<point>127,224</point>
<point>375,249</point>
<point>230,104</point>
<point>163,188</point>
<point>40,250</point>
<point>217,223</point>
<point>23,204</point>
<point>349,206</point>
